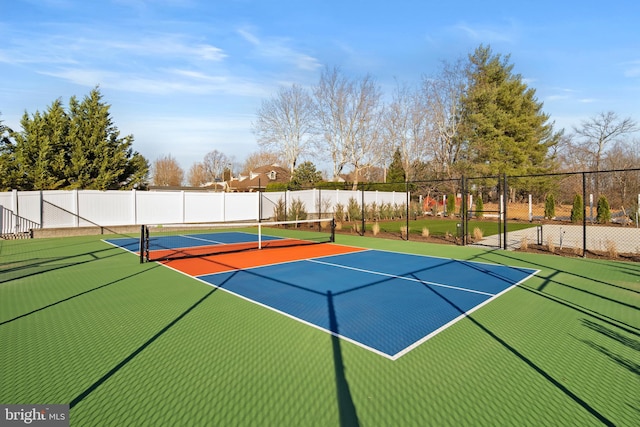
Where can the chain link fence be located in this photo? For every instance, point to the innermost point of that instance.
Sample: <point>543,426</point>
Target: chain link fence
<point>574,214</point>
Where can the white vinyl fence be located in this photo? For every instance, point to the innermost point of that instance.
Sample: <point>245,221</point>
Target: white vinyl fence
<point>81,208</point>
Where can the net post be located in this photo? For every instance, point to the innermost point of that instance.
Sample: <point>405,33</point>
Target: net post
<point>141,245</point>
<point>146,242</point>
<point>332,238</point>
<point>259,235</point>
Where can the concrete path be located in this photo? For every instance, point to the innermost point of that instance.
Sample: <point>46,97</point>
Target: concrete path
<point>599,238</point>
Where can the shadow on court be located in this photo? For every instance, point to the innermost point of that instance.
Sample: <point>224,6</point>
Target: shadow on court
<point>76,296</point>
<point>346,407</point>
<point>35,266</point>
<point>137,351</point>
<point>526,360</point>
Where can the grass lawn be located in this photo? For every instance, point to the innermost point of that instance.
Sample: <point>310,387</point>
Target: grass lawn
<point>124,343</point>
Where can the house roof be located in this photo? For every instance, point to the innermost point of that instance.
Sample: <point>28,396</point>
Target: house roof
<point>259,177</point>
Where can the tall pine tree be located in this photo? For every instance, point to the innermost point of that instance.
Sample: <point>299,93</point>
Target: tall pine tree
<point>504,128</point>
<point>81,148</point>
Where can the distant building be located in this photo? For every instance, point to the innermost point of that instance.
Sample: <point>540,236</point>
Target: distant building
<point>259,178</point>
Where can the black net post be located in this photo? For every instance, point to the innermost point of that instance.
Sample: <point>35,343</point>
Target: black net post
<point>332,239</point>
<point>408,201</point>
<point>363,211</point>
<point>141,244</point>
<point>146,243</point>
<point>584,214</point>
<point>504,204</point>
<point>464,209</point>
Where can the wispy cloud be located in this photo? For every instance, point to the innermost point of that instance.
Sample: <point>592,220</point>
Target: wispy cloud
<point>561,94</point>
<point>163,82</point>
<point>279,49</point>
<point>631,69</point>
<point>483,33</point>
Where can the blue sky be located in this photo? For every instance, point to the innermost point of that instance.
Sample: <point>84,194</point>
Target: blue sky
<point>187,76</point>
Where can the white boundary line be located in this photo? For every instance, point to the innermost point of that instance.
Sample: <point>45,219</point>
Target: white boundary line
<point>352,341</point>
<point>394,276</point>
<point>460,317</point>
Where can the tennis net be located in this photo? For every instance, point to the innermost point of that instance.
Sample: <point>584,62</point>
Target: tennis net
<point>162,242</point>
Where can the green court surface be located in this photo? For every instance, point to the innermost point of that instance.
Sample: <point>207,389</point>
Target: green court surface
<point>124,343</point>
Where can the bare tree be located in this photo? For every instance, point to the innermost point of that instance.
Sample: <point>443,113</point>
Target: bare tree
<point>597,132</point>
<point>214,164</point>
<point>349,116</point>
<point>260,158</point>
<point>285,124</point>
<point>167,172</point>
<point>197,175</point>
<point>442,94</point>
<point>406,128</point>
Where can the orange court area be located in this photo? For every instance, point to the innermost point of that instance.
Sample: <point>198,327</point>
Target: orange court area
<point>255,258</point>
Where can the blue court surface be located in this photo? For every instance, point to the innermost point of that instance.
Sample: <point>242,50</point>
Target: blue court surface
<point>386,302</point>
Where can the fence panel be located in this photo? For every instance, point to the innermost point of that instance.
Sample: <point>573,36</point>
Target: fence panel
<point>204,207</point>
<point>242,207</point>
<point>105,208</point>
<point>158,207</point>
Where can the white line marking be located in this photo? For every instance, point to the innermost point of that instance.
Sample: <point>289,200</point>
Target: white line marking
<point>457,319</point>
<point>352,341</point>
<point>424,282</point>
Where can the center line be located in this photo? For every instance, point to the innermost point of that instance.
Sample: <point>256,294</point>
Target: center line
<point>424,282</point>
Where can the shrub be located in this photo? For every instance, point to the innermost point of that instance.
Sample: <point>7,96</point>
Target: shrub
<point>375,228</point>
<point>577,209</point>
<point>603,212</point>
<point>339,212</point>
<point>386,211</point>
<point>297,210</point>
<point>279,210</point>
<point>353,210</point>
<point>479,208</point>
<point>425,232</point>
<point>477,234</point>
<point>550,207</point>
<point>399,210</point>
<point>550,245</point>
<point>451,204</point>
<point>373,211</point>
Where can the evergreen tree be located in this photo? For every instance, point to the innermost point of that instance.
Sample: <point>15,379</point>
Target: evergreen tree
<point>550,206</point>
<point>80,148</point>
<point>8,163</point>
<point>305,175</point>
<point>41,149</point>
<point>479,207</point>
<point>603,212</point>
<point>396,172</point>
<point>503,124</point>
<point>451,204</point>
<point>99,157</point>
<point>577,209</point>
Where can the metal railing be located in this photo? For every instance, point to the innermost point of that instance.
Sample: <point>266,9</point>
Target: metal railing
<point>13,226</point>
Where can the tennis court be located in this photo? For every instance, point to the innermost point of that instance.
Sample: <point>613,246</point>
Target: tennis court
<point>361,331</point>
